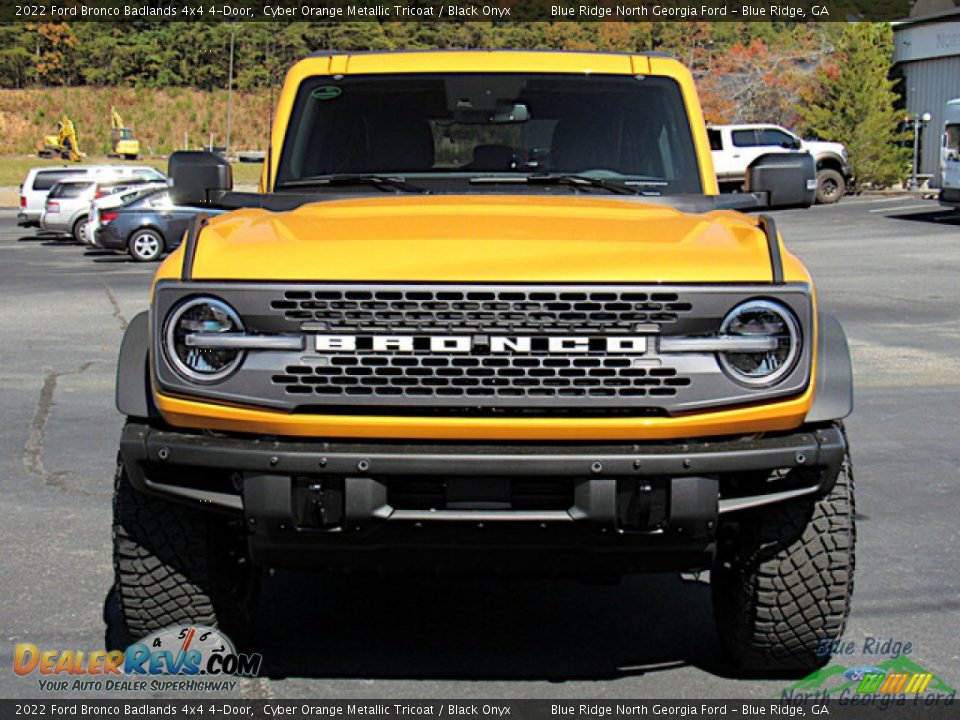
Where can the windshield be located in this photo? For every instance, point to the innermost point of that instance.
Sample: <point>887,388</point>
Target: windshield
<point>631,130</point>
<point>153,199</point>
<point>952,142</point>
<point>70,189</point>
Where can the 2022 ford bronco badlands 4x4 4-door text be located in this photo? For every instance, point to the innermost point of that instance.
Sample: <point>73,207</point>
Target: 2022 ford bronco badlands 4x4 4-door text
<point>488,314</point>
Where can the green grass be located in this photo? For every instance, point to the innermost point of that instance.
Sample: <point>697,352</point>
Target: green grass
<point>246,173</point>
<point>13,168</point>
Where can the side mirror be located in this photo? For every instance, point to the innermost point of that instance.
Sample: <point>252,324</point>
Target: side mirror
<point>198,178</point>
<point>787,180</point>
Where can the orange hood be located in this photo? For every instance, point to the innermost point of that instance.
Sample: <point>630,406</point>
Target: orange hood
<point>490,238</point>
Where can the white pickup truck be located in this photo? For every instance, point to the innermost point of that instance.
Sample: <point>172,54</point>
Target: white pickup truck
<point>734,147</point>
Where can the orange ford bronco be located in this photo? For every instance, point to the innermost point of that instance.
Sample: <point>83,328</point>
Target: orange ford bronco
<point>488,313</point>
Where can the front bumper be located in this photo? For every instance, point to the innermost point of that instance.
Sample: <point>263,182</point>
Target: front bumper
<point>609,508</point>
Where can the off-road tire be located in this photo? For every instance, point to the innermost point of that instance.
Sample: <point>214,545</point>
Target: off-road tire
<point>174,565</point>
<point>830,186</point>
<point>784,584</point>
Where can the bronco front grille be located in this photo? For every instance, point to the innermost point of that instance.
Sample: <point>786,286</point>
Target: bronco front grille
<point>381,348</point>
<point>506,310</point>
<point>480,377</point>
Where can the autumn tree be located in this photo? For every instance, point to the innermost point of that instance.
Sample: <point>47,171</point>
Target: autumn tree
<point>853,103</point>
<point>760,82</point>
<point>55,45</point>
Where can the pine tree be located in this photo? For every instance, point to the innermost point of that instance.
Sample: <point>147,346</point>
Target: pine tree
<point>853,103</point>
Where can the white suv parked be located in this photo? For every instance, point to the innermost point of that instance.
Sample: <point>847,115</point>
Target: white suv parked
<point>734,147</point>
<point>39,181</point>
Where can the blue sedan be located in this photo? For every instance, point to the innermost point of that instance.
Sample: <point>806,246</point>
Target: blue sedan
<point>148,227</point>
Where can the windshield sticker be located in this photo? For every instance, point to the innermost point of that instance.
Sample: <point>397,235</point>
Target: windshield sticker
<point>647,183</point>
<point>327,92</point>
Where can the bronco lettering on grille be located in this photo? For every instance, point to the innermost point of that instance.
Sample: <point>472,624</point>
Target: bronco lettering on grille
<point>493,344</point>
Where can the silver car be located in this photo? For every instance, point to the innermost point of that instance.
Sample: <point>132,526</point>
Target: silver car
<point>40,180</point>
<point>67,208</point>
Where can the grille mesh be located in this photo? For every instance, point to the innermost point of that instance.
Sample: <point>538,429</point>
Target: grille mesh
<point>505,310</point>
<point>480,377</point>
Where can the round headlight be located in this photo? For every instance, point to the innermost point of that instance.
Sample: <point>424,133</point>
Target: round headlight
<point>202,315</point>
<point>761,319</point>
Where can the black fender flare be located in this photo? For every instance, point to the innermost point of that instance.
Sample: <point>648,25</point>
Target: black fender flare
<point>134,397</point>
<point>833,389</point>
<point>829,157</point>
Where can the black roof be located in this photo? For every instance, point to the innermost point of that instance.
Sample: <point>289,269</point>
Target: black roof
<point>645,53</point>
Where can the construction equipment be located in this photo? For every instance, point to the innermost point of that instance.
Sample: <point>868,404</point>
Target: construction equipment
<point>64,143</point>
<point>122,140</point>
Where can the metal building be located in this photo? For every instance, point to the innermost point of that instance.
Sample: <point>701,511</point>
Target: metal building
<point>927,54</point>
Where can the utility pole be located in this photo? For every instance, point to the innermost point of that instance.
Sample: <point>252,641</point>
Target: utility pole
<point>233,33</point>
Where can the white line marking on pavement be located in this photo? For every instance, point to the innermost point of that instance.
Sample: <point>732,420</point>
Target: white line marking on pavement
<point>902,207</point>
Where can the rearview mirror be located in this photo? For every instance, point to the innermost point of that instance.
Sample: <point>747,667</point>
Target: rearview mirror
<point>198,178</point>
<point>787,180</point>
<point>510,113</point>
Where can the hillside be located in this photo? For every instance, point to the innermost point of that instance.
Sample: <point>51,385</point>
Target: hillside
<point>158,117</point>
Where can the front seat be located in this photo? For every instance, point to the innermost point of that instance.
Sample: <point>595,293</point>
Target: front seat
<point>584,143</point>
<point>401,147</point>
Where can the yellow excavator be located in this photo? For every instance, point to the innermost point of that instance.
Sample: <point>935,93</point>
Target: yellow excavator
<point>122,140</point>
<point>64,143</point>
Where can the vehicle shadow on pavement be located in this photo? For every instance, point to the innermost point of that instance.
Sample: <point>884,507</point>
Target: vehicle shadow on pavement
<point>941,217</point>
<point>59,242</point>
<point>324,626</point>
<point>49,240</point>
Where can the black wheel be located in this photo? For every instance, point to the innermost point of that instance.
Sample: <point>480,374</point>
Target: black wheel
<point>146,245</point>
<point>130,156</point>
<point>79,229</point>
<point>174,565</point>
<point>783,584</point>
<point>830,186</point>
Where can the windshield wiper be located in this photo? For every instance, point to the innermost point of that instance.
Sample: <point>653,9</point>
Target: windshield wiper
<point>558,179</point>
<point>379,181</point>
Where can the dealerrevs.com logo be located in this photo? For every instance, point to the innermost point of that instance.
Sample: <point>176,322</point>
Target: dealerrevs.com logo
<point>185,658</point>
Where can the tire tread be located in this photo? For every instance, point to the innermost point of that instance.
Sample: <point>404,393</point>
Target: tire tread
<point>788,584</point>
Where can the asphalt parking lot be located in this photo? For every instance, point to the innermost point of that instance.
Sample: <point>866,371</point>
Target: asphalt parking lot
<point>888,268</point>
